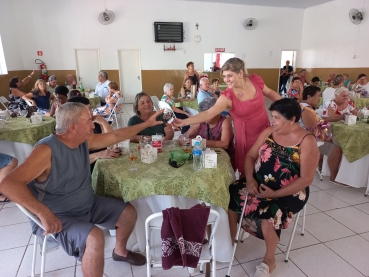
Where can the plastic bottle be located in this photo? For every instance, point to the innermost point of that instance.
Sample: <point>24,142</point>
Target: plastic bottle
<point>237,174</point>
<point>197,156</point>
<point>82,88</point>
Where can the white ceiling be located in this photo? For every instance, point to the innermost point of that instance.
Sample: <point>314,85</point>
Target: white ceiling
<point>300,4</point>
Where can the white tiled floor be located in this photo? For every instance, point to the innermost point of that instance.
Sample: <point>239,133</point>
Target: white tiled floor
<point>335,244</point>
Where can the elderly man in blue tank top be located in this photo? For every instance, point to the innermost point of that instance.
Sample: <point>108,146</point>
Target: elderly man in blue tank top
<point>54,183</point>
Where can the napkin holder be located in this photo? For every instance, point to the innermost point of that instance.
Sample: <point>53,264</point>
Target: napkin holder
<point>365,113</point>
<point>350,119</point>
<point>149,154</point>
<point>209,159</point>
<point>201,140</point>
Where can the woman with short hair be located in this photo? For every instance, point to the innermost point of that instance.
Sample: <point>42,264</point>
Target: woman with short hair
<point>170,100</point>
<point>143,107</point>
<point>16,93</point>
<point>185,91</point>
<point>40,97</point>
<point>279,168</point>
<point>361,83</point>
<point>339,106</point>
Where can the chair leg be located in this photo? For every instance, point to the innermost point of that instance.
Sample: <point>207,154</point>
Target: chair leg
<point>303,221</point>
<point>320,174</point>
<point>291,238</point>
<point>367,191</point>
<point>35,243</point>
<point>43,256</point>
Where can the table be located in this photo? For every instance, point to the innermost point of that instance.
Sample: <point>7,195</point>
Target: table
<point>354,143</point>
<point>154,187</point>
<point>190,104</point>
<point>95,101</point>
<point>222,87</point>
<point>19,136</point>
<point>359,102</point>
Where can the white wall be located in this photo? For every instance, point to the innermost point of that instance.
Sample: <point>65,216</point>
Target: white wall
<point>9,36</point>
<point>57,27</point>
<point>329,38</point>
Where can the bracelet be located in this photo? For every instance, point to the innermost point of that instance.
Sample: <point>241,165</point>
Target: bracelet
<point>29,76</point>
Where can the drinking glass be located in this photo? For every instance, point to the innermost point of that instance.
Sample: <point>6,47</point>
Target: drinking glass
<point>133,154</point>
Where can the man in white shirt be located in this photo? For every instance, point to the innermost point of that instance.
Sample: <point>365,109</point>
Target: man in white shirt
<point>102,88</point>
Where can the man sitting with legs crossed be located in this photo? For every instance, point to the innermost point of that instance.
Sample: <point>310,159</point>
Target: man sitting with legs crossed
<point>55,184</point>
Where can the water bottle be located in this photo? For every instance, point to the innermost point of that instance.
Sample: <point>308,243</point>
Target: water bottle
<point>197,156</point>
<point>82,88</point>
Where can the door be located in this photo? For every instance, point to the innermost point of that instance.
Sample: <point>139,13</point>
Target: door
<point>130,73</point>
<point>87,67</point>
<point>290,56</point>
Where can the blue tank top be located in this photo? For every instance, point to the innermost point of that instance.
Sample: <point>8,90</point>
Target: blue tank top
<point>67,191</point>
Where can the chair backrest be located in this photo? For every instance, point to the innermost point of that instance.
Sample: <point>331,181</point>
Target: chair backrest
<point>117,107</point>
<point>155,101</point>
<point>165,105</point>
<point>3,101</point>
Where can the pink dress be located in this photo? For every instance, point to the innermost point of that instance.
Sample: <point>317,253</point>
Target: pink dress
<point>250,119</point>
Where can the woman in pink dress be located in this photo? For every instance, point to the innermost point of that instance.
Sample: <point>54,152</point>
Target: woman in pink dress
<point>244,99</point>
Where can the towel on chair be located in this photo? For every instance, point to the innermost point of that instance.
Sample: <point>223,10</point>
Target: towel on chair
<point>182,235</point>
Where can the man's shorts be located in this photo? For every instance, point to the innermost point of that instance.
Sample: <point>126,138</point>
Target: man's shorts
<point>5,160</point>
<point>104,211</point>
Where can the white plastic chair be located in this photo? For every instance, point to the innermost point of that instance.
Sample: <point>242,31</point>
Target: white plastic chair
<point>155,101</point>
<point>164,105</point>
<point>47,245</point>
<point>29,103</point>
<point>294,229</point>
<point>155,221</point>
<point>3,101</point>
<point>114,114</point>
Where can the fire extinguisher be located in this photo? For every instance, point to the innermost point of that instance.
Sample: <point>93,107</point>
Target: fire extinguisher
<point>43,69</point>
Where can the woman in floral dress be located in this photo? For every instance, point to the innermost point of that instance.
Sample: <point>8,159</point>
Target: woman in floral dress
<point>279,169</point>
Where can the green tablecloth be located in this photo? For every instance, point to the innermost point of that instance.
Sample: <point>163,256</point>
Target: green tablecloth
<point>190,104</point>
<point>222,87</point>
<point>113,178</point>
<point>353,139</point>
<point>20,130</point>
<point>323,87</point>
<point>94,101</point>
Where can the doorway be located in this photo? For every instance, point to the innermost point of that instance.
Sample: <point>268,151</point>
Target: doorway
<point>88,67</point>
<point>130,73</point>
<point>287,55</point>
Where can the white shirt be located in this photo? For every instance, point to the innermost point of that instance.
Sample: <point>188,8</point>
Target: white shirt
<point>366,87</point>
<point>328,96</point>
<point>102,90</point>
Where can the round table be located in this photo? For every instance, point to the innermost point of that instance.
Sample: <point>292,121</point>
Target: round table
<point>156,186</point>
<point>95,101</point>
<point>359,102</point>
<point>190,104</point>
<point>19,136</point>
<point>222,87</point>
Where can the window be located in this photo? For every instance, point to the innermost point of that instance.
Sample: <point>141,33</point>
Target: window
<point>3,69</point>
<point>219,58</point>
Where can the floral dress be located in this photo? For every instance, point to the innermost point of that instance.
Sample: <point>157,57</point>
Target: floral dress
<point>106,110</point>
<point>276,167</point>
<point>16,102</point>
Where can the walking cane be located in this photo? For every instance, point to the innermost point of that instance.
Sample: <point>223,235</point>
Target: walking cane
<point>237,235</point>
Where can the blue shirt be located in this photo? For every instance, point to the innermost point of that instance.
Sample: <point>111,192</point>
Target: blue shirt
<point>202,95</point>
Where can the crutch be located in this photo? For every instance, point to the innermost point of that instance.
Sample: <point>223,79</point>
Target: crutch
<point>237,235</point>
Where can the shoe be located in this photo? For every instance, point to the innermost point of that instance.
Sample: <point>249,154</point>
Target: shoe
<point>132,258</point>
<point>262,270</point>
<point>5,200</point>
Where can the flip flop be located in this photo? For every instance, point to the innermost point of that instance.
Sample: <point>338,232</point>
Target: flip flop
<point>6,199</point>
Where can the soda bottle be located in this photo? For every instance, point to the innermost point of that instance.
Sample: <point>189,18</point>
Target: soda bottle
<point>197,156</point>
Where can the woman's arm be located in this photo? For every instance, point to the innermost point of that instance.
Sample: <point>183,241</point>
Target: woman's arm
<point>17,92</point>
<point>354,112</point>
<point>29,97</point>
<point>226,137</point>
<point>53,109</point>
<point>221,104</point>
<point>28,78</point>
<point>332,116</point>
<point>109,99</point>
<point>104,154</point>
<point>271,94</point>
<point>169,133</point>
<point>182,92</point>
<point>309,119</point>
<point>355,85</point>
<point>309,158</point>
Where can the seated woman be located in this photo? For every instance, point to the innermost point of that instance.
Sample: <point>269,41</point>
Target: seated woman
<point>143,107</point>
<point>40,97</point>
<point>61,93</point>
<point>7,165</point>
<point>70,82</point>
<point>346,80</point>
<point>339,106</point>
<point>111,99</point>
<point>217,131</point>
<point>168,98</point>
<point>279,168</point>
<point>309,119</point>
<point>328,94</point>
<point>185,91</point>
<point>16,92</point>
<point>296,88</point>
<point>214,87</point>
